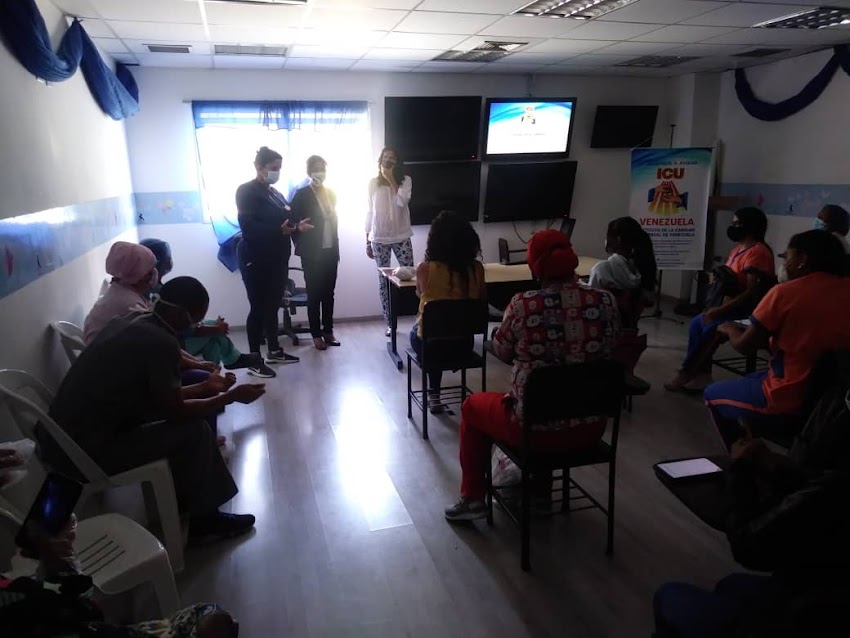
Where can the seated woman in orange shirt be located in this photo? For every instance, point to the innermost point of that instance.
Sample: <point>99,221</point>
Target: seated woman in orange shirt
<point>451,270</point>
<point>562,323</point>
<point>800,321</point>
<point>751,260</point>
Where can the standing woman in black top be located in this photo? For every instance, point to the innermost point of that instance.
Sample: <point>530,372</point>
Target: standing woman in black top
<point>264,252</point>
<point>318,249</point>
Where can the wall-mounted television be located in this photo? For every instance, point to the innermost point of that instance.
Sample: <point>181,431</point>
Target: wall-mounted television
<point>526,128</point>
<point>623,126</point>
<point>441,186</point>
<point>529,191</point>
<point>433,129</point>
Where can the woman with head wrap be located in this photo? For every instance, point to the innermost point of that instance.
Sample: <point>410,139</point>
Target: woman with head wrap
<point>208,340</point>
<point>562,323</point>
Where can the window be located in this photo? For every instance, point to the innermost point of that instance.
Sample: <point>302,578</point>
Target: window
<point>228,135</point>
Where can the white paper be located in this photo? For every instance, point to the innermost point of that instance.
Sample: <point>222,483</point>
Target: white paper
<point>691,467</point>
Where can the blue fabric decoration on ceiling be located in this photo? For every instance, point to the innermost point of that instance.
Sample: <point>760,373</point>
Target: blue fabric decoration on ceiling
<point>24,31</point>
<point>770,111</point>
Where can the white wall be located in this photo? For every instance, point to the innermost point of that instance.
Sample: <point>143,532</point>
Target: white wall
<point>58,149</point>
<point>810,147</point>
<point>162,157</point>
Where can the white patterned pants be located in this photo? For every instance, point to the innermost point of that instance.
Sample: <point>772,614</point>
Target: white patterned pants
<point>383,254</point>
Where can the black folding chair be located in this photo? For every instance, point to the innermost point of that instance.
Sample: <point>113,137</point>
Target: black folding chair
<point>294,297</point>
<point>557,395</point>
<point>449,327</point>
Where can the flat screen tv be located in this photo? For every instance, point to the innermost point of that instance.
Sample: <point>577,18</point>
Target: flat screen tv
<point>623,126</point>
<point>522,192</point>
<point>433,129</point>
<point>444,186</point>
<point>528,128</point>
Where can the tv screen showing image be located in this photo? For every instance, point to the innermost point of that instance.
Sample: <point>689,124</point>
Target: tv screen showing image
<point>623,126</point>
<point>522,192</point>
<point>444,186</point>
<point>433,129</point>
<point>528,127</point>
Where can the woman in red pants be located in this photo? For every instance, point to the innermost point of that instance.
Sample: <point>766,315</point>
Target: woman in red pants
<point>559,324</point>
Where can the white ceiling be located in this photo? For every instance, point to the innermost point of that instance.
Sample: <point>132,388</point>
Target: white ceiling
<point>405,35</point>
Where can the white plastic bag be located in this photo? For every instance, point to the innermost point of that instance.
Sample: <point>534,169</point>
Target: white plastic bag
<point>505,473</point>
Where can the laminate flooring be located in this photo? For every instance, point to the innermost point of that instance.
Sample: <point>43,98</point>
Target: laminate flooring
<point>351,541</point>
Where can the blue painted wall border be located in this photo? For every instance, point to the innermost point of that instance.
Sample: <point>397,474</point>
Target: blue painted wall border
<point>36,244</point>
<point>797,200</point>
<point>175,207</point>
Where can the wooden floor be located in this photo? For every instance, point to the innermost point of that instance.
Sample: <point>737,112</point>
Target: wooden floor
<point>351,539</point>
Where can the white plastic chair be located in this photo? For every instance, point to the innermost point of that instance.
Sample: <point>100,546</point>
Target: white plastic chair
<point>115,551</point>
<point>155,478</point>
<point>71,338</point>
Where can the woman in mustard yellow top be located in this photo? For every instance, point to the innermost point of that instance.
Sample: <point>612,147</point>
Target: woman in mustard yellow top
<point>452,270</point>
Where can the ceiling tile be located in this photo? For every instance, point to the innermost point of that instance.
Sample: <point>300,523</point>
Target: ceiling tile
<point>635,48</point>
<point>196,48</point>
<point>450,67</point>
<point>314,64</point>
<point>339,37</point>
<point>591,60</point>
<point>682,33</point>
<point>520,26</point>
<point>245,15</point>
<point>148,10</point>
<point>158,31</point>
<point>597,30</point>
<point>559,45</point>
<point>386,66</point>
<point>494,7</point>
<point>110,45</point>
<point>124,58</point>
<point>419,41</point>
<point>77,8</point>
<point>531,58</point>
<point>366,4</point>
<point>511,69</point>
<point>741,36</point>
<point>377,19</point>
<point>97,28</point>
<point>744,14</point>
<point>248,62</point>
<point>661,11</point>
<point>575,71</point>
<point>815,3</point>
<point>339,53</point>
<point>223,34</point>
<point>832,35</point>
<point>175,60</point>
<point>438,22</point>
<point>409,55</point>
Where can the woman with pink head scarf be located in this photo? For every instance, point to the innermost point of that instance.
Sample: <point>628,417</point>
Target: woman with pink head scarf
<point>133,270</point>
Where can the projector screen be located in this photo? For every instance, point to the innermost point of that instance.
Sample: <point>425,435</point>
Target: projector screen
<point>528,127</point>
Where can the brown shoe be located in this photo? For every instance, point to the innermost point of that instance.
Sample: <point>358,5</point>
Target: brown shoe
<point>330,339</point>
<point>319,343</point>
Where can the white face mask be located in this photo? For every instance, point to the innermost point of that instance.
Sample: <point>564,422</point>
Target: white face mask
<point>783,274</point>
<point>272,177</point>
<point>318,178</point>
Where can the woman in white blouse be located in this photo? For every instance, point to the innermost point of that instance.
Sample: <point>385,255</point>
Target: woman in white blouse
<point>388,219</point>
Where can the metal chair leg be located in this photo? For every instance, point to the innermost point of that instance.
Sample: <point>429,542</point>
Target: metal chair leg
<point>424,403</point>
<point>409,389</point>
<point>462,385</point>
<point>612,473</point>
<point>565,490</point>
<point>525,522</point>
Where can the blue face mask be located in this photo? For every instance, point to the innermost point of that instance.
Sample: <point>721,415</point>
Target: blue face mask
<point>819,224</point>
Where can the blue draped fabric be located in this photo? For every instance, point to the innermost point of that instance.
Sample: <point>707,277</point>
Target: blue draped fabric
<point>773,111</point>
<point>277,115</point>
<point>24,31</point>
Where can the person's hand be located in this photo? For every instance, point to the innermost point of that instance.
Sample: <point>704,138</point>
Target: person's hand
<point>217,383</point>
<point>369,253</point>
<point>304,225</point>
<point>207,366</point>
<point>222,326</point>
<point>286,228</point>
<point>711,315</point>
<point>748,448</point>
<point>9,459</point>
<point>727,329</point>
<point>230,379</point>
<point>56,553</point>
<point>247,393</point>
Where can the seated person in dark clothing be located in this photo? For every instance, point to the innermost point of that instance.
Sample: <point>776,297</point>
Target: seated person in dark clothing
<point>123,403</point>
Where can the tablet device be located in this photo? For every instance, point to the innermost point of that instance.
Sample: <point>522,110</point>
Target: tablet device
<point>689,468</point>
<point>52,508</point>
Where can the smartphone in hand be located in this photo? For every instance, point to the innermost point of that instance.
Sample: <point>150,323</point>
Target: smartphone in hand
<point>51,510</point>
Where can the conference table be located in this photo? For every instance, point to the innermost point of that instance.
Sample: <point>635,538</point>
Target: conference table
<point>503,282</point>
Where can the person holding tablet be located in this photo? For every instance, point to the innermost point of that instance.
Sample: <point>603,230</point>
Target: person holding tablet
<point>388,228</point>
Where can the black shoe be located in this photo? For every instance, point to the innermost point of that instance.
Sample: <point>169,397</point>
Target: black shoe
<point>279,356</point>
<point>261,370</point>
<point>244,361</point>
<point>219,526</point>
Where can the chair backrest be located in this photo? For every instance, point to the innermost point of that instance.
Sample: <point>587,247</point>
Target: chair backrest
<point>449,327</point>
<point>34,422</point>
<point>71,338</point>
<point>573,391</point>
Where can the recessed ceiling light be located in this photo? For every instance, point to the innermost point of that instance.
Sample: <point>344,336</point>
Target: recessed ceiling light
<point>249,49</point>
<point>489,51</point>
<point>169,48</point>
<point>657,61</point>
<point>815,18</point>
<point>576,9</point>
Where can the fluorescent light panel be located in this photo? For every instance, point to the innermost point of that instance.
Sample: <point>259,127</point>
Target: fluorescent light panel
<point>658,61</point>
<point>576,9</point>
<point>815,18</point>
<point>489,51</point>
<point>245,49</point>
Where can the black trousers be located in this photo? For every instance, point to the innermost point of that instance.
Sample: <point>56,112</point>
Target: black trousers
<point>265,283</point>
<point>320,272</point>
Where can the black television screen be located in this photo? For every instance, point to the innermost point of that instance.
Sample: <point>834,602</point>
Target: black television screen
<point>623,126</point>
<point>540,190</point>
<point>444,186</point>
<point>523,128</point>
<point>433,129</point>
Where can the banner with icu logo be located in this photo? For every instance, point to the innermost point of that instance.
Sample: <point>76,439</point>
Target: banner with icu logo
<point>669,197</point>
